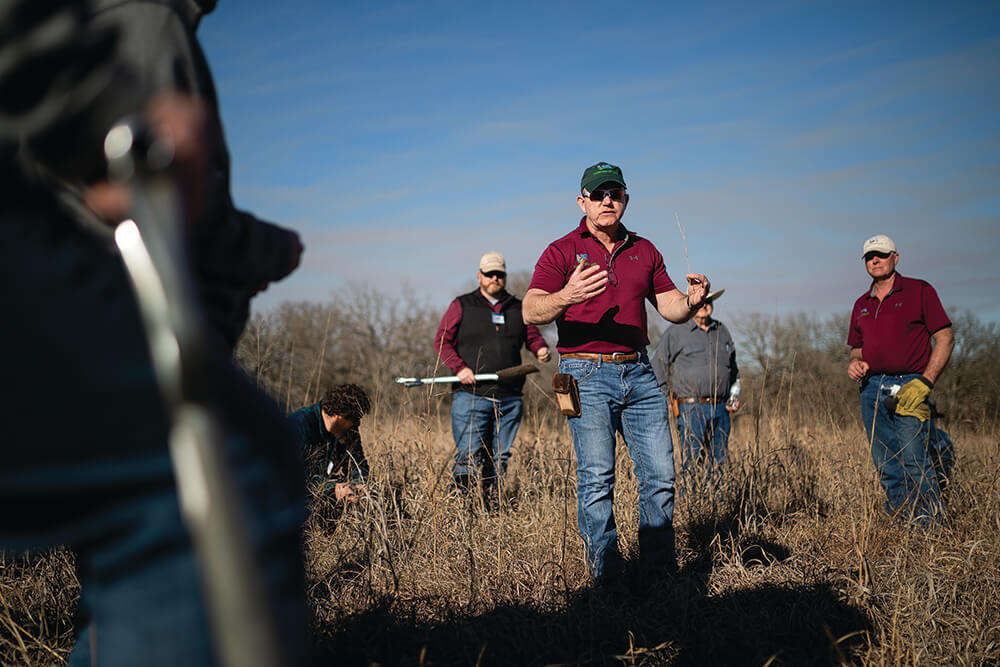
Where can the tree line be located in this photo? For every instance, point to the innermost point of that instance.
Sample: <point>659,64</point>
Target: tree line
<point>793,366</point>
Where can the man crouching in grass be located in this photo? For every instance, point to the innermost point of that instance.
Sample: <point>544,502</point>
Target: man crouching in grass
<point>336,466</point>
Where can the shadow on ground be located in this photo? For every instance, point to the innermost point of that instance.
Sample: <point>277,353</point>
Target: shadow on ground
<point>673,623</point>
<point>674,620</point>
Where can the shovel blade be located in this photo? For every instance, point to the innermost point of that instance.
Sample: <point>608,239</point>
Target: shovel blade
<point>516,371</point>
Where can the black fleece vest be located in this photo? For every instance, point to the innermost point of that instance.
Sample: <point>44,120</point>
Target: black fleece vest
<point>487,347</point>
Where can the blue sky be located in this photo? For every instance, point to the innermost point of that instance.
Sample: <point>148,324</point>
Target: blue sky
<point>404,140</point>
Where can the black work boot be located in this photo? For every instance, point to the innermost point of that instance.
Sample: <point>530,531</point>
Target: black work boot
<point>463,484</point>
<point>492,490</point>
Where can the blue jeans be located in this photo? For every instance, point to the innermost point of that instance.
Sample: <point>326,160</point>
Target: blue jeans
<point>142,597</point>
<point>899,447</point>
<point>703,429</point>
<point>140,593</point>
<point>622,398</point>
<point>484,429</point>
<point>942,451</point>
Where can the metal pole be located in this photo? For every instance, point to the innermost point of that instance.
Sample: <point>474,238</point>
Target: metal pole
<point>152,247</point>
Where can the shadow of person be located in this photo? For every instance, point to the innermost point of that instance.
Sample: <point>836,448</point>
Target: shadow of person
<point>674,622</point>
<point>700,537</point>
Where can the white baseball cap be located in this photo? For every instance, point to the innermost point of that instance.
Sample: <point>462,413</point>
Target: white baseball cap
<point>492,261</point>
<point>878,243</point>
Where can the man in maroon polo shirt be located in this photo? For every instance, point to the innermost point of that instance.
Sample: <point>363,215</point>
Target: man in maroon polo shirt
<point>900,340</point>
<point>483,332</point>
<point>594,283</point>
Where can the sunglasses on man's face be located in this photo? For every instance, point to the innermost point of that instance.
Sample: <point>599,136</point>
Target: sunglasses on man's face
<point>499,275</point>
<point>880,255</point>
<point>616,194</point>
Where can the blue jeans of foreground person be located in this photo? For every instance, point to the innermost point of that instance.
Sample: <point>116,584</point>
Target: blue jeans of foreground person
<point>942,451</point>
<point>141,587</point>
<point>85,453</point>
<point>141,595</point>
<point>899,447</point>
<point>622,398</point>
<point>484,429</point>
<point>703,429</point>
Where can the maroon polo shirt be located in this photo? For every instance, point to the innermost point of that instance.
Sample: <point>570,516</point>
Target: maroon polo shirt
<point>615,319</point>
<point>895,334</point>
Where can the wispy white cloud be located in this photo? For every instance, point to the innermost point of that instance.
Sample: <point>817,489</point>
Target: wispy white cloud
<point>403,147</point>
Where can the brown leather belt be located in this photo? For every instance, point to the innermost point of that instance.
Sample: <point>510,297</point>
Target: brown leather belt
<point>614,358</point>
<point>700,400</point>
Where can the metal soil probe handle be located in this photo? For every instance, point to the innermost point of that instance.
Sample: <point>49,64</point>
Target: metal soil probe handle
<point>502,374</point>
<point>152,247</point>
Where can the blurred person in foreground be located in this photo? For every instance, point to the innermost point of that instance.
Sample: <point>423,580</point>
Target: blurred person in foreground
<point>327,431</point>
<point>594,282</point>
<point>483,332</point>
<point>901,340</point>
<point>695,364</point>
<point>92,471</point>
<point>234,254</point>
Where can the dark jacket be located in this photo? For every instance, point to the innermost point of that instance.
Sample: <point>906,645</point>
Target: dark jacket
<point>151,47</point>
<point>70,308</point>
<point>328,460</point>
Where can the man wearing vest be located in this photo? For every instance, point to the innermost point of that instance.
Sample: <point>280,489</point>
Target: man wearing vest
<point>483,332</point>
<point>900,340</point>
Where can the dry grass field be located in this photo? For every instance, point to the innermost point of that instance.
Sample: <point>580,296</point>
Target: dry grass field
<point>793,563</point>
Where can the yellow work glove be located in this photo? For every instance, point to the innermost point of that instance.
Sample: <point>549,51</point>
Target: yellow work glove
<point>911,399</point>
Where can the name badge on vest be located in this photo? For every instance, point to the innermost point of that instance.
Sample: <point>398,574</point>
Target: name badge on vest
<point>498,318</point>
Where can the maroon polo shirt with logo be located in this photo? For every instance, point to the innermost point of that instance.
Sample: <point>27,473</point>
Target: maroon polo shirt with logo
<point>615,319</point>
<point>895,334</point>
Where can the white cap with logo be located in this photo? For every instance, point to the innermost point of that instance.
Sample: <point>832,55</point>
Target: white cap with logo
<point>878,243</point>
<point>492,261</point>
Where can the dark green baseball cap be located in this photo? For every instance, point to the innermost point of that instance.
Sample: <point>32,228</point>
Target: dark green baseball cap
<point>602,172</point>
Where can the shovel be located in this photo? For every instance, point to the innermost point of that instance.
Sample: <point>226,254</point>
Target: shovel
<point>502,374</point>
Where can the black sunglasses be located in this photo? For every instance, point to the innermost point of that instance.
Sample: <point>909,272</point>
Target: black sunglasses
<point>880,255</point>
<point>495,274</point>
<point>616,194</point>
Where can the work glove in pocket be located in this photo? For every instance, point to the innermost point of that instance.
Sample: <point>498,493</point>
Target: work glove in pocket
<point>567,394</point>
<point>911,399</point>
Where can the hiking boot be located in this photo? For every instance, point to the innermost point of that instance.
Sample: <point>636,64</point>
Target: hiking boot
<point>463,484</point>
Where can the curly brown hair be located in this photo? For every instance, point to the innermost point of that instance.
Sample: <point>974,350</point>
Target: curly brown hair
<point>347,400</point>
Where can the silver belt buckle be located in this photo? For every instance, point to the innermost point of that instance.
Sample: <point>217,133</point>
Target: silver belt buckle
<point>615,355</point>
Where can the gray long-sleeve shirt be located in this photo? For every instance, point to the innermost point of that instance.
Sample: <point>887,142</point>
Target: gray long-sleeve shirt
<point>694,362</point>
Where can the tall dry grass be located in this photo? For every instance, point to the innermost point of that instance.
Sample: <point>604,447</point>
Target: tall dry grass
<point>792,563</point>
